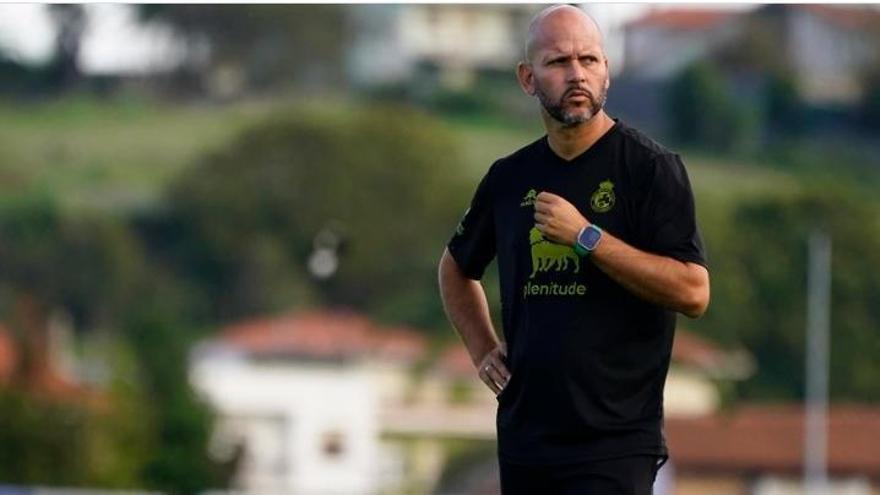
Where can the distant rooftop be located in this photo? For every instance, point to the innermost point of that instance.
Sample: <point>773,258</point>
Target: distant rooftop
<point>688,349</point>
<point>8,355</point>
<point>771,438</point>
<point>46,381</point>
<point>323,334</point>
<point>333,334</point>
<point>845,17</point>
<point>683,19</point>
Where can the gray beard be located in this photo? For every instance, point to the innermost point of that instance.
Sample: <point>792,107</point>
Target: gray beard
<point>568,119</point>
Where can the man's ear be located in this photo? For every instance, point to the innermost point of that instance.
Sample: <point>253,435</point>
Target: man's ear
<point>526,77</point>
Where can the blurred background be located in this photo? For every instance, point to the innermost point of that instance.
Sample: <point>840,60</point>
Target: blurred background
<point>219,230</point>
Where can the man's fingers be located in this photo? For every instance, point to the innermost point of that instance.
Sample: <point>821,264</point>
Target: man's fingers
<point>545,197</point>
<point>500,369</point>
<point>503,372</point>
<point>493,371</point>
<point>497,382</point>
<point>490,378</point>
<point>495,388</point>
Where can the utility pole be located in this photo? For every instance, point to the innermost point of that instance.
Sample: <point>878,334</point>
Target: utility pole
<point>818,343</point>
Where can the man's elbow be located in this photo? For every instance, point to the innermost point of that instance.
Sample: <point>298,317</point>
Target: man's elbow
<point>696,307</point>
<point>696,299</point>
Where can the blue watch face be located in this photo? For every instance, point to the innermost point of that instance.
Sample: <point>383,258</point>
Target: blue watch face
<point>589,238</point>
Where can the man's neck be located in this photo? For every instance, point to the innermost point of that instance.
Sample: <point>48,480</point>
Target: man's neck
<point>569,142</point>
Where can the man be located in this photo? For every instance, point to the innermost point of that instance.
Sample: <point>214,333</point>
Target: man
<point>594,229</point>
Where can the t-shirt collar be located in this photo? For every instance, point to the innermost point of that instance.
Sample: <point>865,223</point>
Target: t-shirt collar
<point>602,139</point>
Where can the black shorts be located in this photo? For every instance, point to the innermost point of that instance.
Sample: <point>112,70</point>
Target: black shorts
<point>633,475</point>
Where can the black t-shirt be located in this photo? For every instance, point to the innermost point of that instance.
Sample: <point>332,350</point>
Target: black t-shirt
<point>588,359</point>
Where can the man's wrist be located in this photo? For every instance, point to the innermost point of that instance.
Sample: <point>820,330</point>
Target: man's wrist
<point>577,233</point>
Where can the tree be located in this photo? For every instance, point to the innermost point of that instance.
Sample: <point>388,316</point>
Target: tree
<point>271,45</point>
<point>70,24</point>
<point>177,460</point>
<point>92,268</point>
<point>785,112</point>
<point>870,102</point>
<point>702,111</point>
<point>759,290</point>
<point>39,248</point>
<point>50,262</point>
<point>386,180</point>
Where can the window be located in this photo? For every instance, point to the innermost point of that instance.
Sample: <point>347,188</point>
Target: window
<point>333,444</point>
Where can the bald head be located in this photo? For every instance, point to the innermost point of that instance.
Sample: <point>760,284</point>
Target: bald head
<point>557,21</point>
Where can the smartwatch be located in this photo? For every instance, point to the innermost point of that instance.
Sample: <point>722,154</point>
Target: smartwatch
<point>587,240</point>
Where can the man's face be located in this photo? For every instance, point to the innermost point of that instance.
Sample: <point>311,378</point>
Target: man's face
<point>568,71</point>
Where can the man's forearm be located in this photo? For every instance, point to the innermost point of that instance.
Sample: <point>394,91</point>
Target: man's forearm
<point>464,301</point>
<point>680,286</point>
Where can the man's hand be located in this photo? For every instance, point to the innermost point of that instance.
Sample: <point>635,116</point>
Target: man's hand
<point>662,280</point>
<point>492,370</point>
<point>558,219</point>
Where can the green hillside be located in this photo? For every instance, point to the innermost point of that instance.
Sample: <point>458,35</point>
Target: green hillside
<point>112,155</point>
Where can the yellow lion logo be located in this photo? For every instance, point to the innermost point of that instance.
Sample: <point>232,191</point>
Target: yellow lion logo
<point>547,255</point>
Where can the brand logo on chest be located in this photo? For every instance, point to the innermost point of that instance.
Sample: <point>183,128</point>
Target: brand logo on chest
<point>550,257</point>
<point>530,198</point>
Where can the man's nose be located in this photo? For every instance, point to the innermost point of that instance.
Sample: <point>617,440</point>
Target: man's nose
<point>576,72</point>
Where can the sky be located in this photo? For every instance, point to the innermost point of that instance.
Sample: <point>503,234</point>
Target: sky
<point>115,43</point>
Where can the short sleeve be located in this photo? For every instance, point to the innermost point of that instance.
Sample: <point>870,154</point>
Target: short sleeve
<point>668,224</point>
<point>473,243</point>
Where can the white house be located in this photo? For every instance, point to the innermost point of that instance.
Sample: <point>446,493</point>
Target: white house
<point>391,42</point>
<point>828,47</point>
<point>331,403</point>
<point>663,42</point>
<point>328,403</point>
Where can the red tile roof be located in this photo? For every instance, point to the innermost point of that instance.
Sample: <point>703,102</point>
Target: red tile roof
<point>771,438</point>
<point>845,17</point>
<point>690,349</point>
<point>683,19</point>
<point>45,382</point>
<point>850,17</point>
<point>324,334</point>
<point>687,349</point>
<point>8,356</point>
<point>454,360</point>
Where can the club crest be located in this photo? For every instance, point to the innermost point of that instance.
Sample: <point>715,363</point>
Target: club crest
<point>603,199</point>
